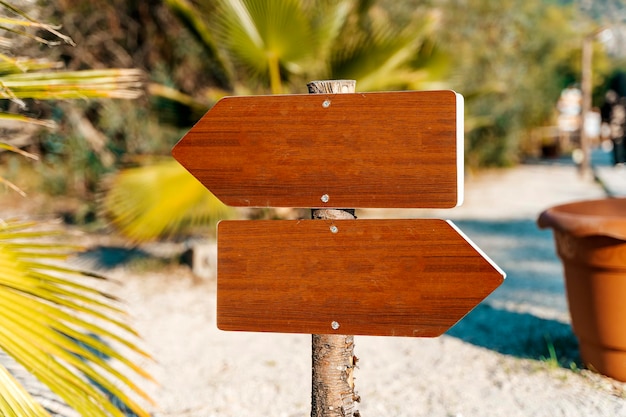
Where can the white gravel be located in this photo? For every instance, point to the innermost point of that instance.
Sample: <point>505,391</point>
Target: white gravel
<point>490,364</point>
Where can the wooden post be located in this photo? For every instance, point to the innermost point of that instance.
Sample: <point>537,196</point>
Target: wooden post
<point>333,393</point>
<point>586,86</point>
<point>410,277</point>
<point>587,91</point>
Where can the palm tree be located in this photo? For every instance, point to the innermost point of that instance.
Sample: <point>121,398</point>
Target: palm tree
<point>56,326</point>
<point>282,44</point>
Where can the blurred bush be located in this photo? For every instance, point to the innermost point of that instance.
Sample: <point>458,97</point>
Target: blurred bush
<point>510,60</point>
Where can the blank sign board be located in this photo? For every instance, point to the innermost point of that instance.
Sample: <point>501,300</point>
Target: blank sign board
<point>365,277</point>
<point>387,150</point>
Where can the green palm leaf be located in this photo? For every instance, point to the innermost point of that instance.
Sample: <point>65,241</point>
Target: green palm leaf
<point>17,402</point>
<point>160,200</point>
<point>385,57</point>
<point>10,65</point>
<point>266,36</point>
<point>112,83</point>
<point>48,323</point>
<point>22,19</point>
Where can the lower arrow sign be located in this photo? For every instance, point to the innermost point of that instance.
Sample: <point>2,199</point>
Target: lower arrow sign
<point>359,277</point>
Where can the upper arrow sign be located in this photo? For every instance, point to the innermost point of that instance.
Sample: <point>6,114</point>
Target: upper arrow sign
<point>387,150</point>
<point>366,277</point>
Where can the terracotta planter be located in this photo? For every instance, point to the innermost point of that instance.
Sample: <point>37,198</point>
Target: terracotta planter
<point>590,239</point>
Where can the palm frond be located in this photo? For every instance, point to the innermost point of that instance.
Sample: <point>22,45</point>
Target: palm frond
<point>327,22</point>
<point>12,148</point>
<point>265,37</point>
<point>10,65</point>
<point>112,83</point>
<point>160,200</point>
<point>383,56</point>
<point>23,19</point>
<point>18,403</point>
<point>66,333</point>
<point>193,20</point>
<point>48,319</point>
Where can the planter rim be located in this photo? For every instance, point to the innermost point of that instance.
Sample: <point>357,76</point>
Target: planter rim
<point>602,217</point>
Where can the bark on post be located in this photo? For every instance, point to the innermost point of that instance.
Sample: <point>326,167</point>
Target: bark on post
<point>333,393</point>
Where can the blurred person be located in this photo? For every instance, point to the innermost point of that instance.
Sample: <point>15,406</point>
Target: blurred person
<point>613,114</point>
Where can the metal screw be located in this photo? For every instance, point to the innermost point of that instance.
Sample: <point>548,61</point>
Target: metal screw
<point>325,198</point>
<point>334,325</point>
<point>334,229</point>
<point>326,104</point>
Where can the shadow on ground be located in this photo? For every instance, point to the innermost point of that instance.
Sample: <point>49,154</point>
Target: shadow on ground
<point>527,255</point>
<point>519,334</point>
<point>534,279</point>
<point>154,257</point>
<point>109,257</point>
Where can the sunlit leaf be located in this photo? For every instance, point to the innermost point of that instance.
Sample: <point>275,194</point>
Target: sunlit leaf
<point>48,323</point>
<point>114,83</point>
<point>160,200</point>
<point>9,65</point>
<point>265,36</point>
<point>383,58</point>
<point>24,19</point>
<point>18,403</point>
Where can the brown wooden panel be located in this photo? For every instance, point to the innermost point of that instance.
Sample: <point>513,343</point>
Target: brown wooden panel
<point>372,277</point>
<point>401,149</point>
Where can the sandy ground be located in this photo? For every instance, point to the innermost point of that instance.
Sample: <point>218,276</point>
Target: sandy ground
<point>492,363</point>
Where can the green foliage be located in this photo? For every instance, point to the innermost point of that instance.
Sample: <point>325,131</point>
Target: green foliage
<point>389,57</point>
<point>49,318</point>
<point>509,59</point>
<point>281,44</point>
<point>254,33</point>
<point>284,44</point>
<point>511,62</point>
<point>51,322</point>
<point>562,352</point>
<point>24,80</point>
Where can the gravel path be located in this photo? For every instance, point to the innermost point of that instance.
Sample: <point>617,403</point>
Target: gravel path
<point>493,363</point>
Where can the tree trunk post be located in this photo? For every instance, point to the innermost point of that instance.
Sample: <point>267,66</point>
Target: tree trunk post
<point>586,89</point>
<point>333,393</point>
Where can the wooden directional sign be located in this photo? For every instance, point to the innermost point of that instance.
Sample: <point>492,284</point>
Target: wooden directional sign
<point>401,149</point>
<point>367,277</point>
